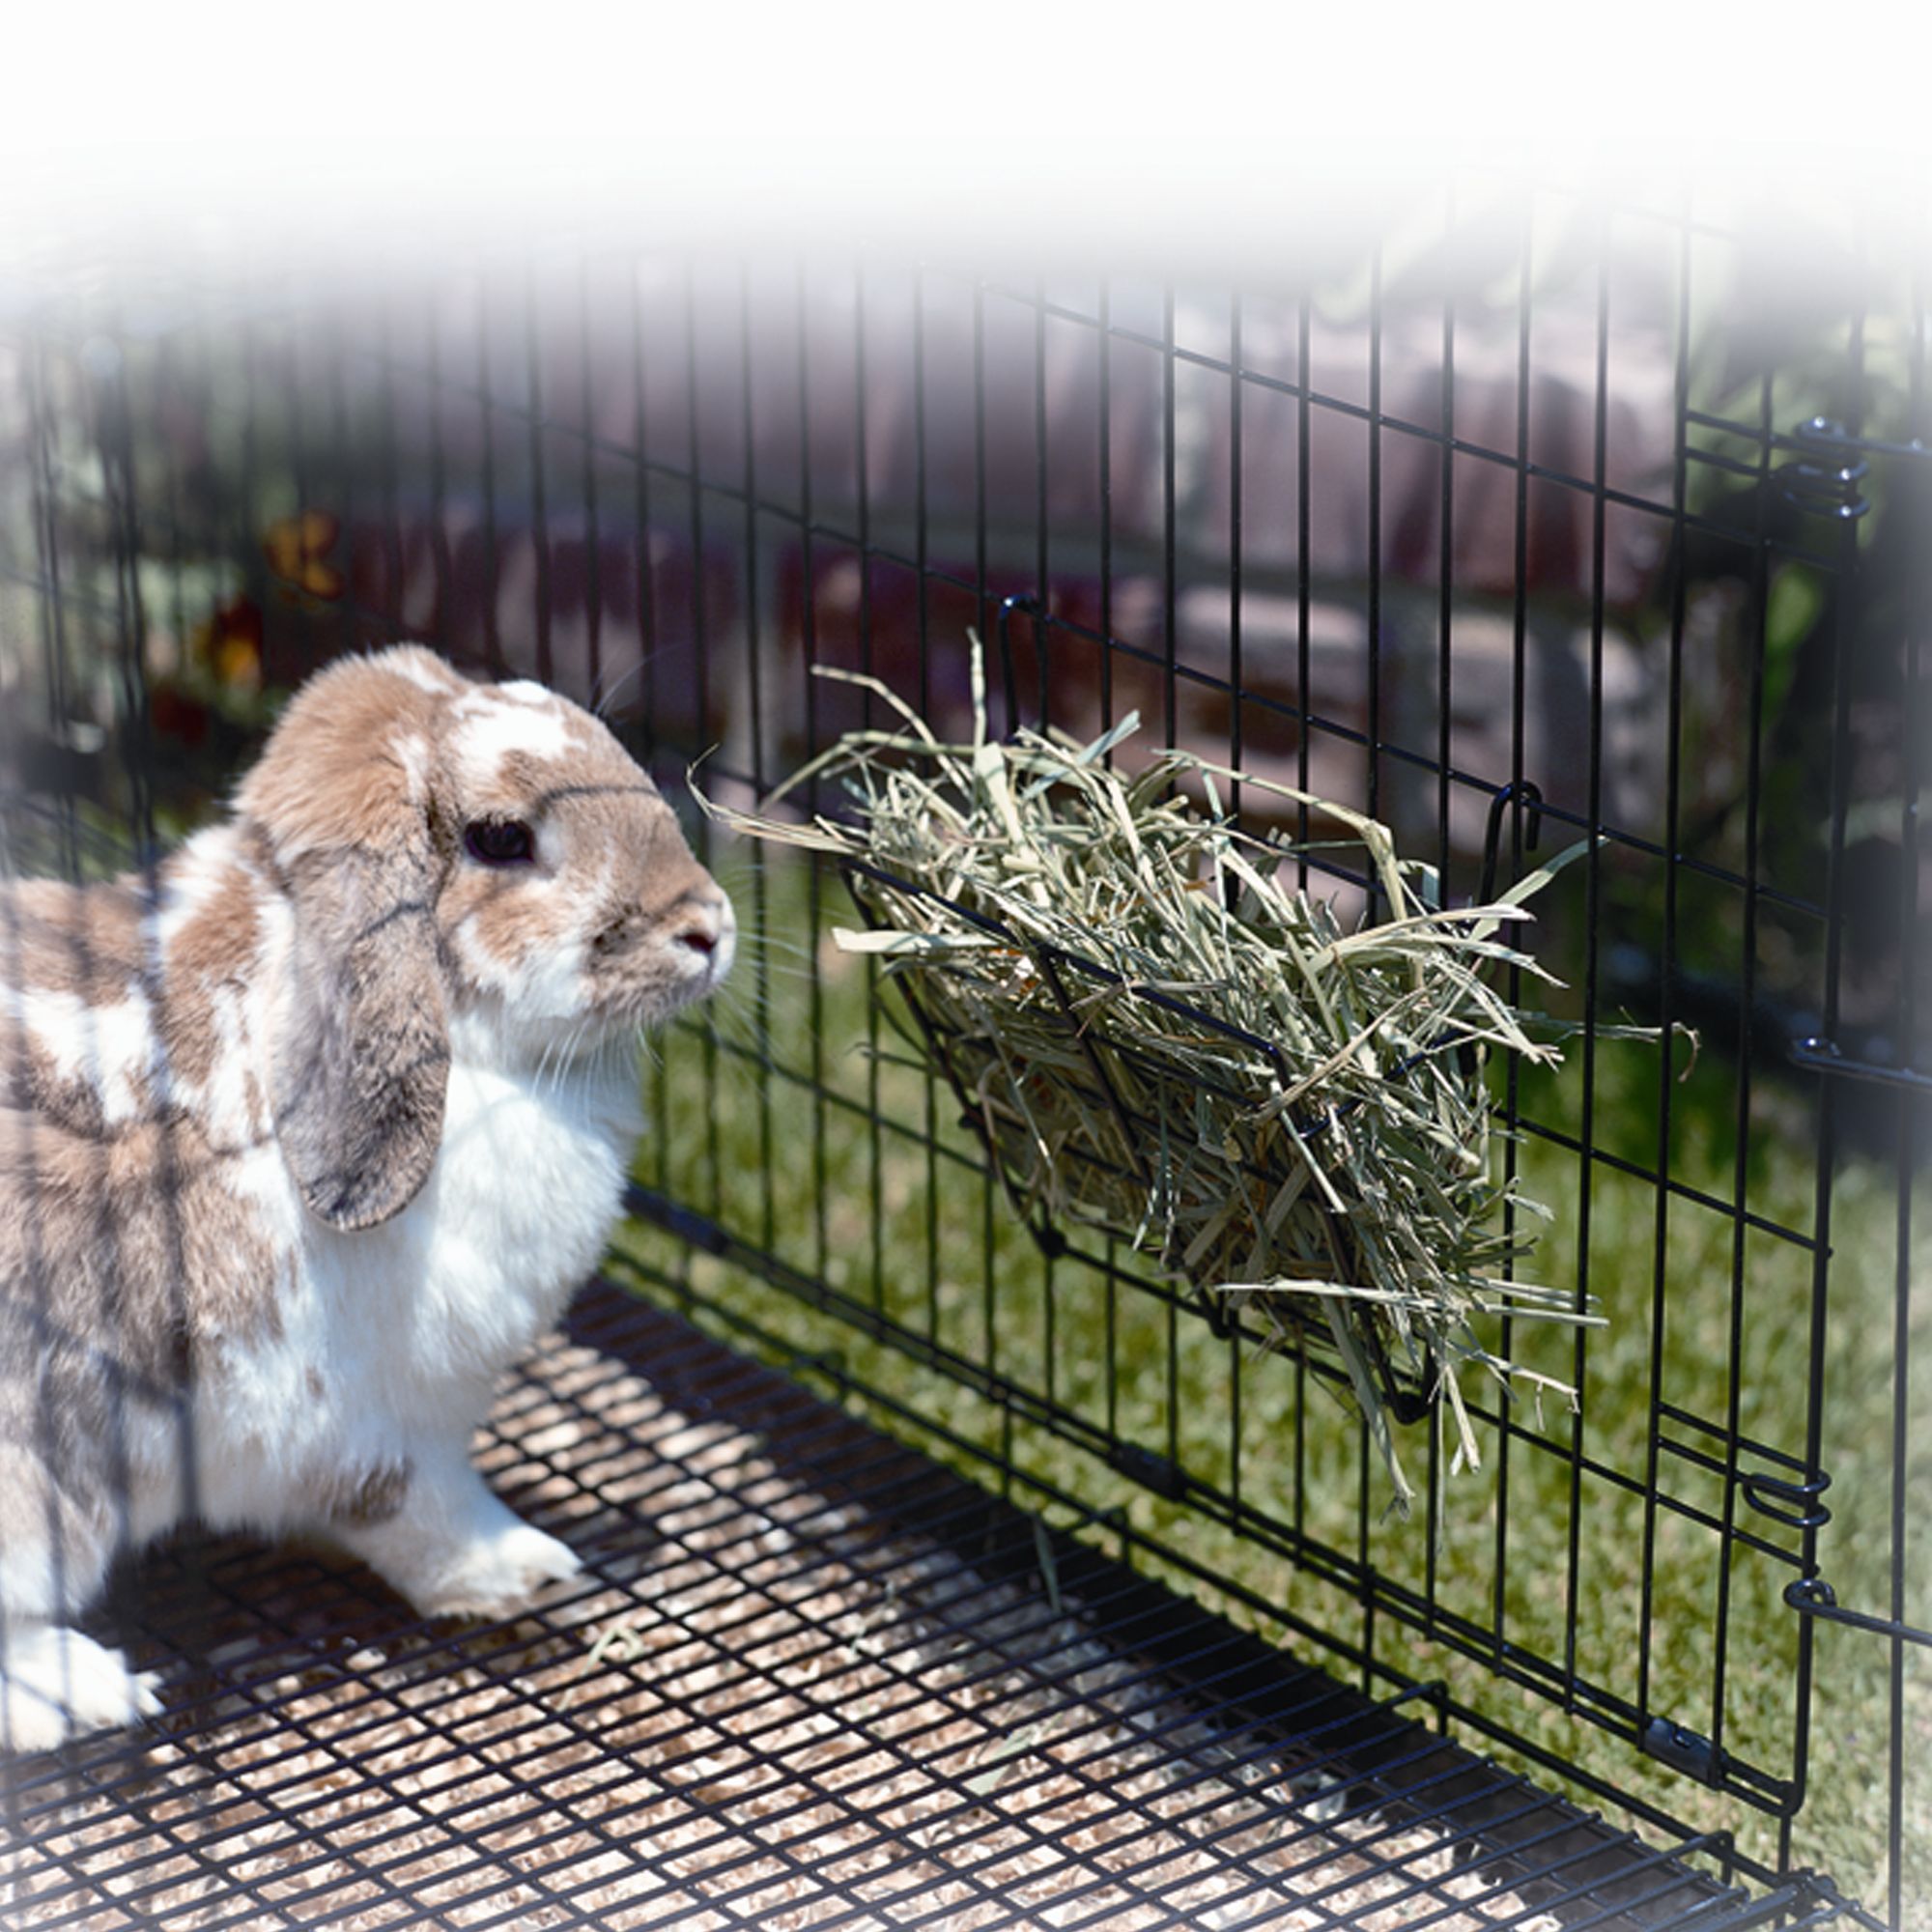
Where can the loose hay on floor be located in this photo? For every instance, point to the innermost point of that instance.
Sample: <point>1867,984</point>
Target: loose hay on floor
<point>785,1700</point>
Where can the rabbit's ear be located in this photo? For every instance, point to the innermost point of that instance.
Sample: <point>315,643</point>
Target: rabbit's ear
<point>361,1057</point>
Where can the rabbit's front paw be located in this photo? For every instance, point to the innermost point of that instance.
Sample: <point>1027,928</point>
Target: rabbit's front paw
<point>59,1685</point>
<point>497,1576</point>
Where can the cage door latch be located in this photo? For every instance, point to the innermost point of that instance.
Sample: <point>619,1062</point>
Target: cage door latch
<point>1825,1056</point>
<point>1813,1597</point>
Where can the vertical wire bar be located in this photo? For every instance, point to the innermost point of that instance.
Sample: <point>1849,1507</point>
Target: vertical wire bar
<point>923,640</point>
<point>1364,1455</point>
<point>1106,431</point>
<point>1760,598</point>
<point>1444,618</point>
<point>171,493</point>
<point>1236,699</point>
<point>249,512</point>
<point>593,533</point>
<point>344,481</point>
<point>114,438</point>
<point>1169,704</point>
<point>1375,550</point>
<point>291,386</point>
<point>754,698</point>
<point>389,462</point>
<point>1103,309</point>
<point>1042,590</point>
<point>1665,1083</point>
<point>1512,1072</point>
<point>170,1160</point>
<point>814,886</point>
<point>439,478</point>
<point>1844,641</point>
<point>1049,1273</point>
<point>115,432</point>
<point>1916,494</point>
<point>539,495</point>
<point>648,641</point>
<point>1303,574</point>
<point>37,1289</point>
<point>988,1275</point>
<point>1587,1134</point>
<point>1445,568</point>
<point>700,646</point>
<point>53,601</point>
<point>493,562</point>
<point>875,1147</point>
<point>1169,588</point>
<point>1235,721</point>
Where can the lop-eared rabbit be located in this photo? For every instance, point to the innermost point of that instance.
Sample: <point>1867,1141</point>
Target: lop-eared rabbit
<point>303,1142</point>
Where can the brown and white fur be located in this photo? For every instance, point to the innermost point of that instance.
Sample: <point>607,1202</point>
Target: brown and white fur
<point>305,1142</point>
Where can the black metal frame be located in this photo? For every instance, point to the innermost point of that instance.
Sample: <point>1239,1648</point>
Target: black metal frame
<point>354,414</point>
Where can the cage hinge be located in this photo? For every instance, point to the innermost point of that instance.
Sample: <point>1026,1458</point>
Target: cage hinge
<point>1150,1471</point>
<point>1686,1750</point>
<point>1823,480</point>
<point>1795,1504</point>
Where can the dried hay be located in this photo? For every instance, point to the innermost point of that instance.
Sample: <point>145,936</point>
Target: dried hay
<point>1162,1038</point>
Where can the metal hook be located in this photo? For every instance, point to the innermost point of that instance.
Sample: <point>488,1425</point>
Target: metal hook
<point>1522,792</point>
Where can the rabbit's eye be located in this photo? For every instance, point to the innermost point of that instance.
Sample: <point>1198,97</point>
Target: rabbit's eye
<point>499,841</point>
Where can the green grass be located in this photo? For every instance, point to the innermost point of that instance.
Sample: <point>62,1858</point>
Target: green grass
<point>771,1116</point>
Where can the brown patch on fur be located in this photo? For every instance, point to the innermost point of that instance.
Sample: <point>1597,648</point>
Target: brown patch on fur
<point>132,1243</point>
<point>333,773</point>
<point>594,806</point>
<point>630,965</point>
<point>360,1499</point>
<point>86,940</point>
<point>76,943</point>
<point>213,950</point>
<point>361,1066</point>
<point>127,1265</point>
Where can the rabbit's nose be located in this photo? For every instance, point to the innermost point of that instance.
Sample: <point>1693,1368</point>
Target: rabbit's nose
<point>705,926</point>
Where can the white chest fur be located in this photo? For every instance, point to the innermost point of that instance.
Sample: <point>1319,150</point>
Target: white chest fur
<point>515,1213</point>
<point>396,1336</point>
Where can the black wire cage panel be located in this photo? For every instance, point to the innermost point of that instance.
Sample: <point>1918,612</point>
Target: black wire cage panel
<point>1518,518</point>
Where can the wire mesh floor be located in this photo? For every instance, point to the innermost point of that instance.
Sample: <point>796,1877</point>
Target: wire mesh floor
<point>809,1680</point>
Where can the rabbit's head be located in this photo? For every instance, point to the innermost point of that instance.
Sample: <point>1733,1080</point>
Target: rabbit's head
<point>481,865</point>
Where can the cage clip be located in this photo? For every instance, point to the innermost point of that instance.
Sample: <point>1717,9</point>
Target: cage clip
<point>1823,480</point>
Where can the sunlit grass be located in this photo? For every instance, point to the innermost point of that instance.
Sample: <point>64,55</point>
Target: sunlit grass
<point>773,1117</point>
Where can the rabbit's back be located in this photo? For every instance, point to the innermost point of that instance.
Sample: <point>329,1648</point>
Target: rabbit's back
<point>136,1197</point>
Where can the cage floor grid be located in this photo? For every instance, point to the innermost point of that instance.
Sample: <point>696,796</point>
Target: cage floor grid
<point>809,1679</point>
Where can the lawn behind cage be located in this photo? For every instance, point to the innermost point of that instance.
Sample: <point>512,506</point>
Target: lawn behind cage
<point>786,1111</point>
